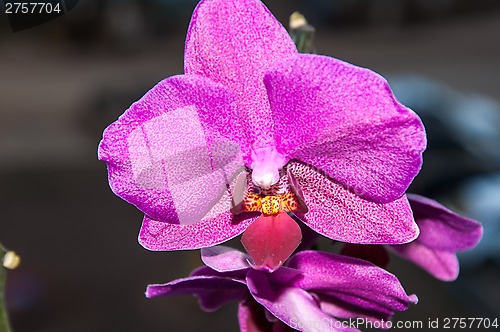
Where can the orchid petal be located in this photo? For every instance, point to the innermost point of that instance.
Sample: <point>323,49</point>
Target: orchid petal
<point>355,282</point>
<point>158,235</point>
<point>341,215</point>
<point>345,121</point>
<point>169,156</point>
<point>442,229</point>
<point>233,42</point>
<point>212,292</point>
<point>293,306</point>
<point>441,264</point>
<point>271,239</point>
<point>217,226</point>
<point>224,259</point>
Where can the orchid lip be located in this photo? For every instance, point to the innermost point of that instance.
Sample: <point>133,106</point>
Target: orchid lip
<point>271,239</point>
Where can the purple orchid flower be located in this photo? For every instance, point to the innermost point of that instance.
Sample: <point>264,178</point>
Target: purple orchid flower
<point>307,294</point>
<point>254,131</point>
<point>443,233</point>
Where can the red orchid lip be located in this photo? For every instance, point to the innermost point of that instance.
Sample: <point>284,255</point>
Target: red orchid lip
<point>271,239</point>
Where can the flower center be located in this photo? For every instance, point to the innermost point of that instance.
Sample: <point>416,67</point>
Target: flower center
<point>270,205</point>
<point>274,235</point>
<point>283,196</point>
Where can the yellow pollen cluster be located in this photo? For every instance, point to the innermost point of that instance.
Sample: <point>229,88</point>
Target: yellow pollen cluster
<point>270,204</point>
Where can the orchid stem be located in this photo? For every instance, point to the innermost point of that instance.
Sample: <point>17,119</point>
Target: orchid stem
<point>4,317</point>
<point>302,33</point>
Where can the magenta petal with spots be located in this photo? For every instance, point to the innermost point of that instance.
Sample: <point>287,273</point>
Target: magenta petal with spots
<point>345,121</point>
<point>340,214</point>
<point>160,235</point>
<point>442,234</point>
<point>234,42</point>
<point>171,158</point>
<point>167,142</point>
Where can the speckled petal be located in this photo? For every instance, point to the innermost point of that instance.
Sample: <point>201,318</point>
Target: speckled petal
<point>216,227</point>
<point>169,156</point>
<point>442,265</point>
<point>212,292</point>
<point>293,306</point>
<point>233,42</point>
<point>341,215</point>
<point>360,285</point>
<point>442,229</point>
<point>345,121</point>
<point>158,235</point>
<point>225,259</point>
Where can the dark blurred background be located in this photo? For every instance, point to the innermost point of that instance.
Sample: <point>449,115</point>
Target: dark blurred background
<point>63,82</point>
